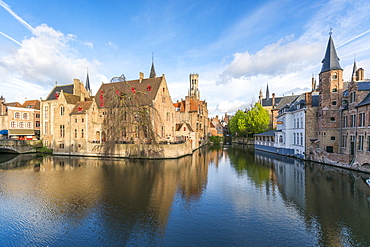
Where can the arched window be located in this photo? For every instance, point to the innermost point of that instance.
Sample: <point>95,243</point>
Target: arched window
<point>25,115</point>
<point>62,110</point>
<point>335,76</point>
<point>13,124</point>
<point>21,125</point>
<point>29,125</point>
<point>17,115</point>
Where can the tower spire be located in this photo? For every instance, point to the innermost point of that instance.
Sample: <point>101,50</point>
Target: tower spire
<point>87,84</point>
<point>152,70</point>
<point>354,77</point>
<point>267,92</point>
<point>331,60</point>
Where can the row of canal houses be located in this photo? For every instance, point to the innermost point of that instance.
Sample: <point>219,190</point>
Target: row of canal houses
<point>329,124</point>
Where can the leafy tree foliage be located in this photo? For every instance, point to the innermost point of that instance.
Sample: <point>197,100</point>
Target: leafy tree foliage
<point>254,121</point>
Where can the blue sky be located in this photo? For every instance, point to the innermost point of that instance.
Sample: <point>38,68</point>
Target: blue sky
<point>236,47</point>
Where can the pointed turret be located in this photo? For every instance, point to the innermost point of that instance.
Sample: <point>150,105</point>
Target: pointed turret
<point>267,92</point>
<point>152,70</point>
<point>331,60</point>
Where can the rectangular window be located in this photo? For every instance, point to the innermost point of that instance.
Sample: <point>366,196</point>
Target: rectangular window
<point>294,138</point>
<point>61,146</point>
<point>75,133</point>
<point>332,138</point>
<point>82,133</point>
<point>334,103</point>
<point>353,120</point>
<point>62,130</point>
<point>37,124</point>
<point>301,139</point>
<point>332,119</point>
<point>344,141</point>
<point>368,143</point>
<point>345,122</point>
<point>361,122</point>
<point>360,142</point>
<point>329,149</point>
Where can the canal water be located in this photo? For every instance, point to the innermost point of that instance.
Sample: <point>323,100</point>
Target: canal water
<point>219,196</point>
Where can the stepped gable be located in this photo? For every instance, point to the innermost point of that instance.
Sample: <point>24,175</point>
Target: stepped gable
<point>81,107</point>
<point>57,89</point>
<point>144,90</point>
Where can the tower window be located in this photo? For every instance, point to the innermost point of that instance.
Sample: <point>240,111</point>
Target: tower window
<point>335,76</point>
<point>334,103</point>
<point>334,89</point>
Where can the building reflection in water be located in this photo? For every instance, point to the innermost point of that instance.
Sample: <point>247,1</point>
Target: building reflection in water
<point>334,202</point>
<point>128,196</point>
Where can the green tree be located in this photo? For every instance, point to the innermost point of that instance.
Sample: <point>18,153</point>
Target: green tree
<point>257,119</point>
<point>254,121</point>
<point>238,124</point>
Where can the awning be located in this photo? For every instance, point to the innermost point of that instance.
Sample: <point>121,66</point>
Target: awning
<point>3,132</point>
<point>21,132</point>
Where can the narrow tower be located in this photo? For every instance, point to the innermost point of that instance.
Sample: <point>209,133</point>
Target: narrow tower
<point>194,91</point>
<point>330,91</point>
<point>267,92</point>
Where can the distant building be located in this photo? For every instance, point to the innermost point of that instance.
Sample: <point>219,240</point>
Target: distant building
<point>20,122</point>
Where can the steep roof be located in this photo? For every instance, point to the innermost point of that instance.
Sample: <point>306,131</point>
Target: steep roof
<point>331,60</point>
<point>144,90</point>
<point>178,127</point>
<point>365,101</point>
<point>14,104</point>
<point>81,107</point>
<point>34,104</point>
<point>286,100</point>
<point>70,98</point>
<point>57,89</point>
<point>268,102</point>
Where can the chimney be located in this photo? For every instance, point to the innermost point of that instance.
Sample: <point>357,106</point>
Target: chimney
<point>273,100</point>
<point>141,76</point>
<point>308,97</point>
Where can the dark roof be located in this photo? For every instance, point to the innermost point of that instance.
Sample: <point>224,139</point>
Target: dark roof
<point>268,133</point>
<point>331,60</point>
<point>363,85</point>
<point>57,89</point>
<point>365,101</point>
<point>286,100</point>
<point>178,127</point>
<point>268,102</point>
<point>144,90</point>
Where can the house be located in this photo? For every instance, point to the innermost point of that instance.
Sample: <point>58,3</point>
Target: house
<point>20,121</point>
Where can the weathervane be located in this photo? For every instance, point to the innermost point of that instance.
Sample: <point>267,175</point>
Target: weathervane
<point>330,32</point>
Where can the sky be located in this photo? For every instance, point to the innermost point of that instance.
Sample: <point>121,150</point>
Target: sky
<point>237,47</point>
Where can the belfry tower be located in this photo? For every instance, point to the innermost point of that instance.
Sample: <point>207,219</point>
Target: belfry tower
<point>194,91</point>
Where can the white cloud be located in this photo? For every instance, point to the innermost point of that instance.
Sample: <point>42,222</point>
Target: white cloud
<point>45,57</point>
<point>274,59</point>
